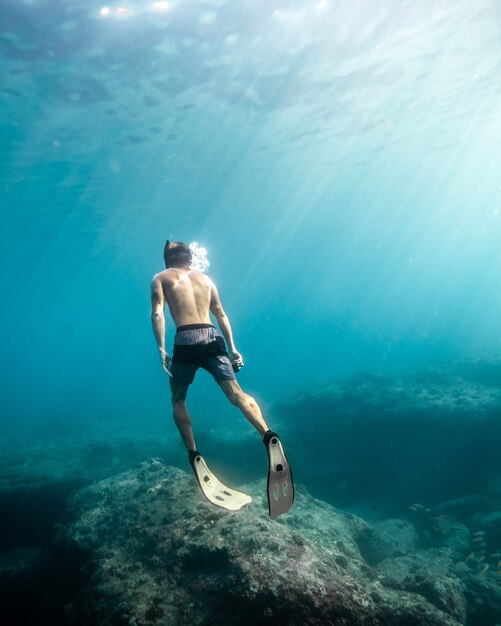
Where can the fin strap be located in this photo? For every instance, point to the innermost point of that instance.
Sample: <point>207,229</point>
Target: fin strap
<point>268,435</point>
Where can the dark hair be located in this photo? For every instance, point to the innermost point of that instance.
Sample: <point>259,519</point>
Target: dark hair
<point>176,254</point>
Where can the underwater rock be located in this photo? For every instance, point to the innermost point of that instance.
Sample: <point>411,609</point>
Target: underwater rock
<point>430,574</point>
<point>483,595</point>
<point>467,589</point>
<point>161,554</point>
<point>404,442</point>
<point>490,524</point>
<point>455,535</point>
<point>22,574</point>
<point>463,507</point>
<point>39,456</point>
<point>21,566</point>
<point>390,538</point>
<point>490,521</point>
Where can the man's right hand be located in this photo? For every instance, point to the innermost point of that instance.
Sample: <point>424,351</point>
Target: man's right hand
<point>166,361</point>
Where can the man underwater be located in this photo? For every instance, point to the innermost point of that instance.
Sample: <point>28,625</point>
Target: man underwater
<point>191,297</point>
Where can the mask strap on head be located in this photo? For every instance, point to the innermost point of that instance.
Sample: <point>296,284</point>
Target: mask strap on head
<point>199,260</point>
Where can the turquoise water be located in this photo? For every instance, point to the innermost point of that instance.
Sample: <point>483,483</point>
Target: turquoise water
<point>338,159</point>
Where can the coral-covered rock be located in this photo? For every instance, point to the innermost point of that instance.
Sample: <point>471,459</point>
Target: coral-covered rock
<point>483,595</point>
<point>390,538</point>
<point>399,441</point>
<point>163,555</point>
<point>430,573</point>
<point>455,535</point>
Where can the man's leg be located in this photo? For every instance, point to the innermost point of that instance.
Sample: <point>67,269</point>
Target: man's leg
<point>245,403</point>
<point>181,416</point>
<point>280,485</point>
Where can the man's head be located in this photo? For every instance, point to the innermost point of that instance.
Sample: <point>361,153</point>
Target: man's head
<point>177,254</point>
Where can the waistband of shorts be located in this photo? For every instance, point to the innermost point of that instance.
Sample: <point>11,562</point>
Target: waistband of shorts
<point>193,327</point>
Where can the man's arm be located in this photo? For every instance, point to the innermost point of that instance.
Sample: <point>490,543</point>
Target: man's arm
<point>224,324</point>
<point>158,320</point>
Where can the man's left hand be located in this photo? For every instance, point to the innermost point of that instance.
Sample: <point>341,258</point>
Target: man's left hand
<point>237,361</point>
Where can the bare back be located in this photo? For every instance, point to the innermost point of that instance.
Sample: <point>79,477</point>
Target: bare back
<point>188,295</point>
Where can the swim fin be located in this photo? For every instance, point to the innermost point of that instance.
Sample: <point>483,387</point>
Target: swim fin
<point>213,489</point>
<point>280,483</point>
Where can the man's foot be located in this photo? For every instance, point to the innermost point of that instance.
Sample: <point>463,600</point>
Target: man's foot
<point>192,455</point>
<point>280,483</point>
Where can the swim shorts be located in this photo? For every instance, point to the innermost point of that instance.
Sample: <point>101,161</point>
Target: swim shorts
<point>199,345</point>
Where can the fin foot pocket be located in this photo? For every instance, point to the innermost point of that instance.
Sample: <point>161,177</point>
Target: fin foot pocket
<point>280,483</point>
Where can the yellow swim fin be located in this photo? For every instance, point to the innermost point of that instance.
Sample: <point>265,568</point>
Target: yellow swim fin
<point>213,489</point>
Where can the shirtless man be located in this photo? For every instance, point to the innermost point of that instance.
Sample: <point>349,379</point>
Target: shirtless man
<point>191,296</point>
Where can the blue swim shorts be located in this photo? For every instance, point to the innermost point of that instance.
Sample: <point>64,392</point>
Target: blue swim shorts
<point>199,345</point>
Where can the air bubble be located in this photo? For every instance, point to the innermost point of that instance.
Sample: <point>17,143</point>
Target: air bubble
<point>199,260</point>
